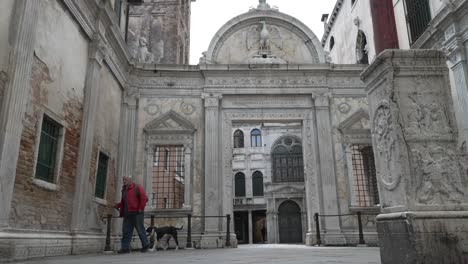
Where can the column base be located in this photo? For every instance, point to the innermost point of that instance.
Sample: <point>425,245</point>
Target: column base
<point>423,237</point>
<point>217,240</point>
<point>310,239</point>
<point>21,244</point>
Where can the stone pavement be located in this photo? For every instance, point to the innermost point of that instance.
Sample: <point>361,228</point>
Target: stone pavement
<point>244,254</point>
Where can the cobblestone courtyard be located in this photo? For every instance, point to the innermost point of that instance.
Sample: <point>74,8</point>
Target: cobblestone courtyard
<point>290,254</point>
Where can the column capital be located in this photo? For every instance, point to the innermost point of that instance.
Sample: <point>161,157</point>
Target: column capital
<point>132,97</point>
<point>322,101</point>
<point>98,49</point>
<point>211,100</point>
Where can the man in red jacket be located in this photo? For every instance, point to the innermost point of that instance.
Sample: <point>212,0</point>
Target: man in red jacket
<point>131,208</point>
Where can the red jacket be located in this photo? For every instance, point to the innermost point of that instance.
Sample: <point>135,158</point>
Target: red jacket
<point>135,203</point>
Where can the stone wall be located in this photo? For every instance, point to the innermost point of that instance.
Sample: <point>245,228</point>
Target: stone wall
<point>159,31</point>
<point>57,90</point>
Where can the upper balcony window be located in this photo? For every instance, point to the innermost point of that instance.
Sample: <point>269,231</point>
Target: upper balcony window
<point>256,138</point>
<point>238,139</point>
<point>418,16</point>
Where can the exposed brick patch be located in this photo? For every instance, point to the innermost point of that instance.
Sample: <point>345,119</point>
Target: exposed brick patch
<point>33,206</point>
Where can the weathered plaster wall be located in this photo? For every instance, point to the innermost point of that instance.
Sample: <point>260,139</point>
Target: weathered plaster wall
<point>159,31</point>
<point>345,32</point>
<point>190,108</point>
<point>5,16</point>
<point>58,77</point>
<point>106,136</point>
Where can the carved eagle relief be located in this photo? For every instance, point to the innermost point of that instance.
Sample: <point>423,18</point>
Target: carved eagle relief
<point>257,37</point>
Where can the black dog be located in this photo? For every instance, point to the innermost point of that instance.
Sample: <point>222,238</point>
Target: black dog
<point>166,231</point>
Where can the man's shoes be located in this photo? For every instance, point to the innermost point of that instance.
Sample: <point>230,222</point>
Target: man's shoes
<point>144,249</point>
<point>123,251</point>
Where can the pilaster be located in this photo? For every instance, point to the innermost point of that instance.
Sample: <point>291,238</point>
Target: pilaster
<point>327,171</point>
<point>458,64</point>
<point>82,200</point>
<point>422,176</point>
<point>213,181</point>
<point>16,95</point>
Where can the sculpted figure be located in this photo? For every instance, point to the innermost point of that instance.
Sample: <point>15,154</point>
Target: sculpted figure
<point>144,55</point>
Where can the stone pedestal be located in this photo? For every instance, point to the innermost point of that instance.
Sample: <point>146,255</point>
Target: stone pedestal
<point>422,175</point>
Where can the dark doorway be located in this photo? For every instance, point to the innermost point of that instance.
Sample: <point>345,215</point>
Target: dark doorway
<point>241,227</point>
<point>259,227</point>
<point>290,224</point>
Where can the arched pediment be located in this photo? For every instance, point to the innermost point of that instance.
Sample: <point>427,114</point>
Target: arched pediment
<point>265,35</point>
<point>170,122</point>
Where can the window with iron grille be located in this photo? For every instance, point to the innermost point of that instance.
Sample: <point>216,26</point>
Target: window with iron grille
<point>256,138</point>
<point>239,184</point>
<point>257,183</point>
<point>48,146</point>
<point>168,177</point>
<point>287,161</point>
<point>365,180</point>
<point>101,176</point>
<point>238,139</point>
<point>418,16</point>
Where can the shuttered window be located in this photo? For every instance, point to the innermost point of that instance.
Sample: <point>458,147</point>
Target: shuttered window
<point>47,156</point>
<point>101,176</point>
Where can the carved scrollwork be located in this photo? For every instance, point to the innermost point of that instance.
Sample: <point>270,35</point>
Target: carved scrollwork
<point>384,135</point>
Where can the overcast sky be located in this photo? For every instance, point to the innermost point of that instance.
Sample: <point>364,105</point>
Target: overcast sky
<point>208,16</point>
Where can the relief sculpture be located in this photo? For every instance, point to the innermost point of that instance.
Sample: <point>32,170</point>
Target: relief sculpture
<point>385,139</point>
<point>427,119</point>
<point>438,175</point>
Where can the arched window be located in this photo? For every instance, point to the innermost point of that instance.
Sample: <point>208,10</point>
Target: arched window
<point>332,43</point>
<point>362,49</point>
<point>287,160</point>
<point>256,138</point>
<point>257,183</point>
<point>238,139</point>
<point>239,184</point>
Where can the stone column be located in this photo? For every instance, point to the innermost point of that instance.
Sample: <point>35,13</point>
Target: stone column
<point>82,203</point>
<point>310,177</point>
<point>458,64</point>
<point>327,172</point>
<point>250,227</point>
<point>422,177</point>
<point>213,179</point>
<point>188,177</point>
<point>16,95</point>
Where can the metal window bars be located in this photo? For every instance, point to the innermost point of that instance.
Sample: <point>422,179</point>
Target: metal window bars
<point>365,180</point>
<point>168,177</point>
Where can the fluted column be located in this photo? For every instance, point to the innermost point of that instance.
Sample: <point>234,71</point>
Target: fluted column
<point>213,198</point>
<point>15,98</point>
<point>83,187</point>
<point>327,170</point>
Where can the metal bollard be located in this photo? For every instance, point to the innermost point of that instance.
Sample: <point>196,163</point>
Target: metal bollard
<point>189,231</point>
<point>361,234</point>
<point>228,232</point>
<point>108,234</point>
<point>317,229</point>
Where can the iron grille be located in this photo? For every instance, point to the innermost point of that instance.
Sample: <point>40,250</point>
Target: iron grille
<point>365,180</point>
<point>168,177</point>
<point>418,16</point>
<point>288,167</point>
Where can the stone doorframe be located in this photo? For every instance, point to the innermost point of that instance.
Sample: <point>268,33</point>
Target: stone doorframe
<point>170,129</point>
<point>310,149</point>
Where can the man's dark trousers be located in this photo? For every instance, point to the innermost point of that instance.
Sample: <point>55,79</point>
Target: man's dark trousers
<point>129,222</point>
